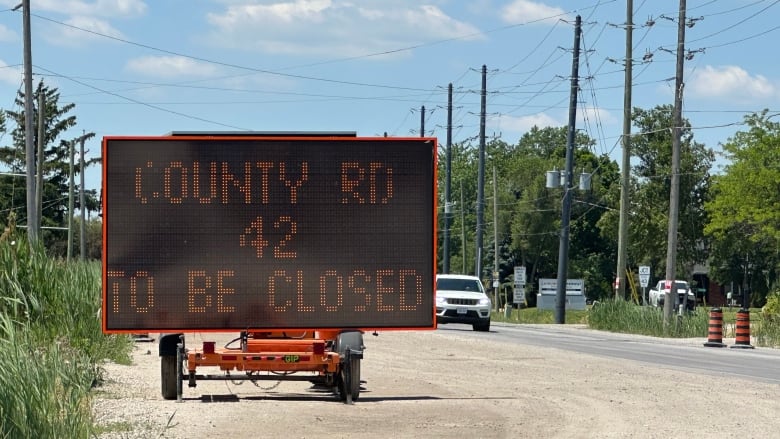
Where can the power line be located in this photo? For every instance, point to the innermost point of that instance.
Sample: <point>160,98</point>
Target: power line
<point>155,107</point>
<point>735,24</point>
<point>312,78</point>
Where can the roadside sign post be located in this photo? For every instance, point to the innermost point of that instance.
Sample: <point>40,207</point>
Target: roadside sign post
<point>644,279</point>
<point>519,296</point>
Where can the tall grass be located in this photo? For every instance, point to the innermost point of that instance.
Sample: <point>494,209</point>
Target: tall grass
<point>539,316</point>
<point>767,333</point>
<point>51,343</point>
<point>44,386</point>
<point>626,317</point>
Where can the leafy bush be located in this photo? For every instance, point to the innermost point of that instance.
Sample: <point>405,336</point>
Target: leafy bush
<point>772,308</point>
<point>767,329</point>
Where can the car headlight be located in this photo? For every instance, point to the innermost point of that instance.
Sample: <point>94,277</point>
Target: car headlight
<point>484,301</point>
<point>441,300</point>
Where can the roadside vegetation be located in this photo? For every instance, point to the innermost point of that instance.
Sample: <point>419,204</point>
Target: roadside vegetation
<point>539,316</point>
<point>767,329</point>
<point>628,318</point>
<point>728,220</point>
<point>51,343</point>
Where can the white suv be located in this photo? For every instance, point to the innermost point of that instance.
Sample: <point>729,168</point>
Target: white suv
<point>462,299</point>
<point>657,294</point>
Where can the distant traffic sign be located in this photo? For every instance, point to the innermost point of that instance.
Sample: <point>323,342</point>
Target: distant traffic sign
<point>519,275</point>
<point>519,296</point>
<point>644,276</point>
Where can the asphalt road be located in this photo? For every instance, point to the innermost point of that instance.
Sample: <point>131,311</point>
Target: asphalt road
<point>690,355</point>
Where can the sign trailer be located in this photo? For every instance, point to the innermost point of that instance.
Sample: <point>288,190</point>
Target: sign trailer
<point>317,235</point>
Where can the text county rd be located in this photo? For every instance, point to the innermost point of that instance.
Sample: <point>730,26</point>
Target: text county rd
<point>257,182</point>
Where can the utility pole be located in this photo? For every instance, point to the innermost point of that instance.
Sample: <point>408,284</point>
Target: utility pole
<point>82,236</point>
<point>39,161</point>
<point>422,121</point>
<point>70,201</point>
<point>481,176</point>
<point>625,171</point>
<point>563,248</point>
<point>462,229</point>
<point>33,222</point>
<point>496,282</point>
<point>447,185</point>
<point>674,193</point>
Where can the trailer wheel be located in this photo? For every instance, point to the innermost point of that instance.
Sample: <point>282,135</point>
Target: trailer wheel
<point>349,380</point>
<point>168,376</point>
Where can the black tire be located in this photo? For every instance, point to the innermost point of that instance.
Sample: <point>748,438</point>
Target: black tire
<point>482,327</point>
<point>168,376</point>
<point>349,380</point>
<point>355,379</point>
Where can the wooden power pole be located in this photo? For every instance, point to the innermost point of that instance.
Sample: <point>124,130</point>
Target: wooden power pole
<point>674,193</point>
<point>625,167</point>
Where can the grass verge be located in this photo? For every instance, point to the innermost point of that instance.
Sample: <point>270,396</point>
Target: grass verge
<point>628,318</point>
<point>51,343</point>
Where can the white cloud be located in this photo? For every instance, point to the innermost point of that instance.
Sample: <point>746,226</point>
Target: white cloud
<point>730,82</point>
<point>332,28</point>
<point>75,36</point>
<point>11,75</point>
<point>523,124</point>
<point>525,11</point>
<point>92,16</point>
<point>7,35</point>
<point>170,67</point>
<point>594,116</point>
<point>101,8</point>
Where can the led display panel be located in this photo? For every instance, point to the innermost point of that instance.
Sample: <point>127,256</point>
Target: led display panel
<point>252,233</point>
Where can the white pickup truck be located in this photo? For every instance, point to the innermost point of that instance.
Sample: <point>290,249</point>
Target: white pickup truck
<point>657,294</point>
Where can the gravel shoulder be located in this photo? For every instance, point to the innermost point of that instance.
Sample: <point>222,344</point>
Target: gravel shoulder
<point>439,384</point>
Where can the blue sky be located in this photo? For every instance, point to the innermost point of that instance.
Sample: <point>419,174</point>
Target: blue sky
<point>136,67</point>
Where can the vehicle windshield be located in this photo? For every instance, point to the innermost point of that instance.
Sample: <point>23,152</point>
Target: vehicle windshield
<point>458,284</point>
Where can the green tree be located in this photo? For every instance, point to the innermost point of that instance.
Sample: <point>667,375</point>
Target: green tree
<point>463,214</point>
<point>57,153</point>
<point>529,214</point>
<point>537,214</point>
<point>649,208</point>
<point>744,212</point>
<point>93,242</point>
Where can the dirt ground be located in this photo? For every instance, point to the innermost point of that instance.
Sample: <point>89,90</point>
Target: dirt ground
<point>443,384</point>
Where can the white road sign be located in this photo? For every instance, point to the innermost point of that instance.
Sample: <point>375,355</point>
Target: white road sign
<point>644,276</point>
<point>519,296</point>
<point>519,275</point>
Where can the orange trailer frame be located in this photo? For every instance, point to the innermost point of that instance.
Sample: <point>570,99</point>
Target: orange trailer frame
<point>328,358</point>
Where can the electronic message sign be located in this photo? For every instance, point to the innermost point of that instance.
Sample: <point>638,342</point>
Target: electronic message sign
<point>251,233</point>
